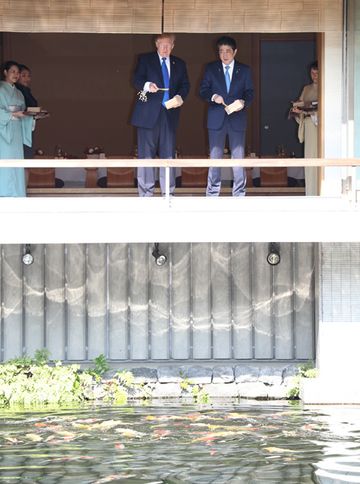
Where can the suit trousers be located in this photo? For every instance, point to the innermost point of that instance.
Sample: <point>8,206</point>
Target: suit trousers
<point>217,138</point>
<point>159,140</point>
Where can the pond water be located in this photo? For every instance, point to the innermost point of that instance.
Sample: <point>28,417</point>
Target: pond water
<point>239,443</point>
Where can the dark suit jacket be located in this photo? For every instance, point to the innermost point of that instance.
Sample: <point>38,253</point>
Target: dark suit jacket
<point>146,114</point>
<point>241,87</point>
<point>30,101</point>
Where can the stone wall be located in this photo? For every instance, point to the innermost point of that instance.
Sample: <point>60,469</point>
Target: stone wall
<point>218,382</point>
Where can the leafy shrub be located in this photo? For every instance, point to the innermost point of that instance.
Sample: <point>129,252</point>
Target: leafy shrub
<point>41,384</point>
<point>197,391</point>
<point>34,381</point>
<point>306,370</point>
<point>101,365</point>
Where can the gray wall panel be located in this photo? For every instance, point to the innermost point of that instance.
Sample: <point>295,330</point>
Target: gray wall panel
<point>159,306</point>
<point>262,290</point>
<point>34,301</point>
<point>283,304</point>
<point>12,289</point>
<point>304,301</point>
<point>55,300</point>
<point>139,301</point>
<point>76,302</point>
<point>96,300</point>
<point>201,303</point>
<point>181,301</point>
<point>241,264</point>
<point>210,301</point>
<point>118,301</point>
<point>221,300</point>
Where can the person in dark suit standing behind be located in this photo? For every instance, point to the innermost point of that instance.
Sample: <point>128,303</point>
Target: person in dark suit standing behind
<point>227,87</point>
<point>23,85</point>
<point>163,84</point>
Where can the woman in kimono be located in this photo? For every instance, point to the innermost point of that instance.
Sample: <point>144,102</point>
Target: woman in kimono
<point>307,133</point>
<point>15,130</point>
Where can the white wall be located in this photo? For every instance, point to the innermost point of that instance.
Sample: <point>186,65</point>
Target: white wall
<point>334,127</point>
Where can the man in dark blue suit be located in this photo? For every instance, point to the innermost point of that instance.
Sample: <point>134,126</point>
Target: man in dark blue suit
<point>227,87</point>
<point>163,84</point>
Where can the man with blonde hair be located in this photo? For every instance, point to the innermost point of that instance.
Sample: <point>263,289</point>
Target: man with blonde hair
<point>162,84</point>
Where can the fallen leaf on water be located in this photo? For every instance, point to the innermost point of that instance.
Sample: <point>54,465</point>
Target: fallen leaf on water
<point>206,438</point>
<point>289,433</point>
<point>54,428</point>
<point>249,428</point>
<point>33,437</point>
<point>129,432</point>
<point>212,436</point>
<point>238,415</point>
<point>12,440</point>
<point>68,436</point>
<point>106,425</point>
<point>113,477</point>
<point>311,427</point>
<point>54,441</point>
<point>81,426</point>
<point>161,433</point>
<point>86,420</point>
<point>195,416</point>
<point>278,449</point>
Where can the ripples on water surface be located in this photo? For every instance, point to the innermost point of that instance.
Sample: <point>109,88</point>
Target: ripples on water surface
<point>175,444</point>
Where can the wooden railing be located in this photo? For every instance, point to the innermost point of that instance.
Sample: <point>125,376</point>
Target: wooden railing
<point>180,162</point>
<point>175,163</point>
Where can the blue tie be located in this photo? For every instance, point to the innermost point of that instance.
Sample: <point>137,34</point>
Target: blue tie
<point>227,78</point>
<point>165,74</point>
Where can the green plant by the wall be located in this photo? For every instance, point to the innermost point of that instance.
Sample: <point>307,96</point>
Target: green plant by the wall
<point>294,390</point>
<point>41,357</point>
<point>42,384</point>
<point>22,362</point>
<point>127,383</point>
<point>306,370</point>
<point>114,392</point>
<point>200,395</point>
<point>126,378</point>
<point>185,384</point>
<point>197,391</point>
<point>101,365</point>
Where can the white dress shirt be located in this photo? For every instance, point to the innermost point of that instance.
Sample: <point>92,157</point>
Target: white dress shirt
<point>231,70</point>
<point>167,62</point>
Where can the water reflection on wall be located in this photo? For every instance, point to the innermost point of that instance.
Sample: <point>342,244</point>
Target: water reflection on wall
<point>210,301</point>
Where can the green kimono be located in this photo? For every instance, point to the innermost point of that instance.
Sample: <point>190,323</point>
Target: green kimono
<point>14,133</point>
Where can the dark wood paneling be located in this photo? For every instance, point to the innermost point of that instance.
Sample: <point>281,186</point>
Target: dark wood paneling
<point>84,80</point>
